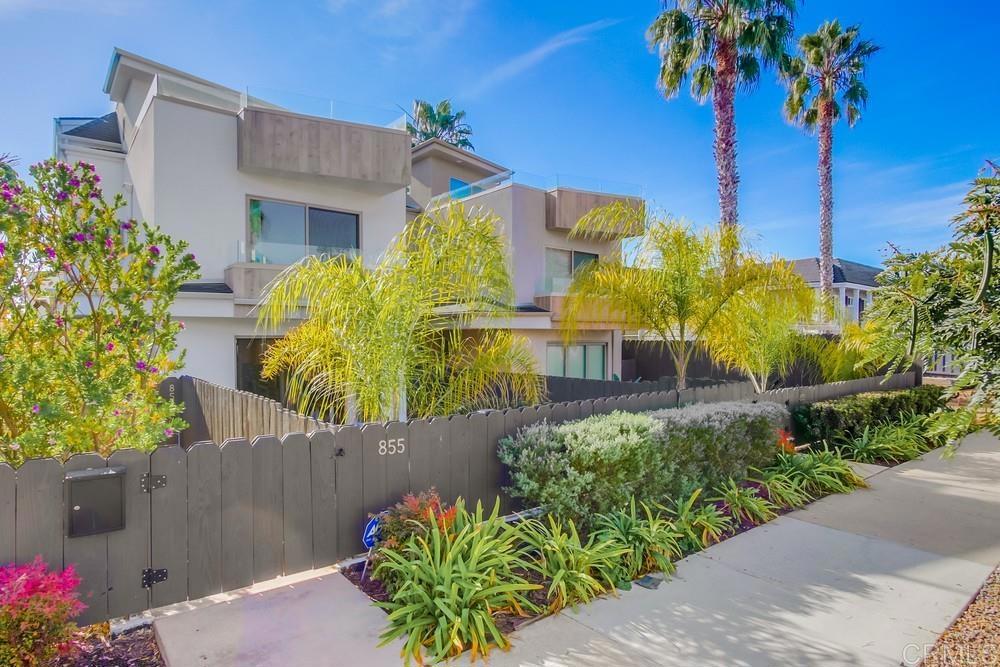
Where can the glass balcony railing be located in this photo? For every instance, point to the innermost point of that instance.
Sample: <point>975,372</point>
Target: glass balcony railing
<point>539,182</point>
<point>323,107</point>
<point>553,285</point>
<point>270,252</point>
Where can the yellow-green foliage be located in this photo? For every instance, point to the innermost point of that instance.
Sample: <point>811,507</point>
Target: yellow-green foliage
<point>389,339</point>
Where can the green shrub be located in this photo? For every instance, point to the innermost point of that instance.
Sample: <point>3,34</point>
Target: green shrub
<point>711,442</point>
<point>595,466</point>
<point>649,541</point>
<point>780,488</point>
<point>848,416</point>
<point>453,581</point>
<point>579,469</point>
<point>577,572</point>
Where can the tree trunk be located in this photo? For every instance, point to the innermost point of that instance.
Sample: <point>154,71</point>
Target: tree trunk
<point>724,107</point>
<point>826,200</point>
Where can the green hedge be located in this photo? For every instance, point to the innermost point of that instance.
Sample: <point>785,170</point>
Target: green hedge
<point>848,416</point>
<point>595,465</point>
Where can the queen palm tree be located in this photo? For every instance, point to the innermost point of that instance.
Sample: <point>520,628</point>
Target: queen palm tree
<point>720,44</point>
<point>392,340</point>
<point>439,121</point>
<point>7,171</point>
<point>824,78</point>
<point>678,284</point>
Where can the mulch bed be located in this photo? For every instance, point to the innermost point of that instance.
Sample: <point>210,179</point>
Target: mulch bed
<point>973,640</point>
<point>134,648</point>
<point>373,588</point>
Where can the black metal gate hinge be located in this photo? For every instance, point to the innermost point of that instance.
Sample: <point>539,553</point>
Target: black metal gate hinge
<point>151,576</point>
<point>148,482</point>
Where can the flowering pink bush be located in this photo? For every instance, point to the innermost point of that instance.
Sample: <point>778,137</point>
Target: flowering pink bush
<point>36,611</point>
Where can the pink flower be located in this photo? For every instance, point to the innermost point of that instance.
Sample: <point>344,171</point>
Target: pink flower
<point>182,325</point>
<point>116,413</point>
<point>127,225</point>
<point>88,363</point>
<point>79,237</point>
<point>108,243</point>
<point>50,252</point>
<point>3,248</point>
<point>74,182</point>
<point>154,250</point>
<point>36,408</point>
<point>140,366</point>
<point>169,432</point>
<point>154,369</point>
<point>109,347</point>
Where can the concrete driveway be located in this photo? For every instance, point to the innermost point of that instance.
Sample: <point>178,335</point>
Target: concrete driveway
<point>866,579</point>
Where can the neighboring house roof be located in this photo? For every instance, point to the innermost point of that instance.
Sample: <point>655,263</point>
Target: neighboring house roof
<point>844,271</point>
<point>447,151</point>
<point>104,128</point>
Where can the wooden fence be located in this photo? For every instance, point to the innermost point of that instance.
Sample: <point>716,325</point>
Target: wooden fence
<point>211,518</point>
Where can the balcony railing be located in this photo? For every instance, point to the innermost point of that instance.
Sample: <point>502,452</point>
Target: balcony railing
<point>270,252</point>
<point>547,183</point>
<point>258,97</point>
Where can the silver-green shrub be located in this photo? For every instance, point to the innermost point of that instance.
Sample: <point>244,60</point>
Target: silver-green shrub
<point>596,465</point>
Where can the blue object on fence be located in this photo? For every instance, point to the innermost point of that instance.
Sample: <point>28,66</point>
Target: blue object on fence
<point>373,530</point>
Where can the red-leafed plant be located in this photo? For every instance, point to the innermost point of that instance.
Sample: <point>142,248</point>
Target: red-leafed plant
<point>786,443</point>
<point>36,611</point>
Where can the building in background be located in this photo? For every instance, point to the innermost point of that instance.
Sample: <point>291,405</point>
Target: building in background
<point>255,180</point>
<point>853,283</point>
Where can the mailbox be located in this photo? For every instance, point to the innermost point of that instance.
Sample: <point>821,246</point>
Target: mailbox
<point>96,501</point>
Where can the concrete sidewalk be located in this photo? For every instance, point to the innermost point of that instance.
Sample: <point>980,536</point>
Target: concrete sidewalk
<point>864,579</point>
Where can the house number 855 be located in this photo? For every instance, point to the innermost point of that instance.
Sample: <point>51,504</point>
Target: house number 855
<point>391,446</point>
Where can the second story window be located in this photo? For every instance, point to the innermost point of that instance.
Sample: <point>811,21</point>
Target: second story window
<point>284,232</point>
<point>560,265</point>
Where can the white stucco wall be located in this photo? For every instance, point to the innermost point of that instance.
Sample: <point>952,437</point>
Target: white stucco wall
<point>202,197</point>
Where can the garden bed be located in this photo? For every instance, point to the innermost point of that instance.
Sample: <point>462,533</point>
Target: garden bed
<point>133,648</point>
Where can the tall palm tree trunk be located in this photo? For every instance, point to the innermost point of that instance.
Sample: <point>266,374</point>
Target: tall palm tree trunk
<point>724,107</point>
<point>826,199</point>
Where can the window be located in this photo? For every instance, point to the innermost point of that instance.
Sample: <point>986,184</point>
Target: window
<point>561,264</point>
<point>848,300</point>
<point>455,185</point>
<point>249,355</point>
<point>283,233</point>
<point>586,360</point>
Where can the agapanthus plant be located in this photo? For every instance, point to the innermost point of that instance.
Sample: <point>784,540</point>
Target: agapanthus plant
<point>86,333</point>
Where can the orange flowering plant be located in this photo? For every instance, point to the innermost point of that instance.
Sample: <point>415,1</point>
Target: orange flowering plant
<point>86,333</point>
<point>786,443</point>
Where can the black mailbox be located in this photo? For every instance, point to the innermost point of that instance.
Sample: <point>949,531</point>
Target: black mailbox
<point>96,501</point>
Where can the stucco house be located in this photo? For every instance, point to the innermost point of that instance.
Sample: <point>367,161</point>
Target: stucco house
<point>253,186</point>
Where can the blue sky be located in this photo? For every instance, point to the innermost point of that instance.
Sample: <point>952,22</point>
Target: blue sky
<point>564,88</point>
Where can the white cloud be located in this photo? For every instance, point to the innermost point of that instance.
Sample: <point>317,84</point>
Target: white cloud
<point>511,68</point>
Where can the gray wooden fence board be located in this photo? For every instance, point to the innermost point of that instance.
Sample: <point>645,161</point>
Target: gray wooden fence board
<point>545,412</point>
<point>496,429</point>
<point>459,459</point>
<point>560,413</point>
<point>440,450</point>
<point>168,518</point>
<point>128,550</point>
<point>529,415</point>
<point>87,554</point>
<point>323,470</point>
<point>350,508</point>
<point>39,525</point>
<point>267,508</point>
<point>204,520</point>
<point>397,472</point>
<point>419,444</point>
<point>480,453</point>
<point>375,490</point>
<point>8,491</point>
<point>297,503</point>
<point>586,408</point>
<point>237,513</point>
<point>573,411</point>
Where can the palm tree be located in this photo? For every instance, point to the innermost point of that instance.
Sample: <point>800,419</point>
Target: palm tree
<point>720,44</point>
<point>822,80</point>
<point>670,281</point>
<point>7,171</point>
<point>393,340</point>
<point>439,122</point>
